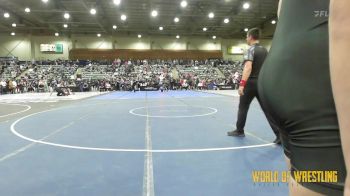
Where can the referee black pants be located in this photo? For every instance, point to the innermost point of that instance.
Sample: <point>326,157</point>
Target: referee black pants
<point>250,92</point>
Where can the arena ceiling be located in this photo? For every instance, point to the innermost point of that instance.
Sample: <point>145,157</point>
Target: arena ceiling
<point>48,18</point>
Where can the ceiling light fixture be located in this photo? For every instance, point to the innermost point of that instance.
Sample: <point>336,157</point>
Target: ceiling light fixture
<point>116,2</point>
<point>6,15</point>
<point>154,13</point>
<point>246,5</point>
<point>183,4</point>
<point>93,11</point>
<point>123,17</point>
<point>66,16</point>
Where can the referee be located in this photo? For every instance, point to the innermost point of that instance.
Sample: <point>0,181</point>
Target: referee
<point>248,87</point>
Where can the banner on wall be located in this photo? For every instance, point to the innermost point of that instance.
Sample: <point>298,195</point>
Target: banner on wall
<point>235,50</point>
<point>225,87</point>
<point>52,48</point>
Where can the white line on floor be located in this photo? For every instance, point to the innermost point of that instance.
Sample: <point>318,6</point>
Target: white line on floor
<point>148,184</point>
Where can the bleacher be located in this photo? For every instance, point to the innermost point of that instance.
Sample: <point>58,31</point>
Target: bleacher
<point>97,72</point>
<point>201,71</point>
<point>52,71</point>
<point>121,74</point>
<point>229,69</point>
<point>12,70</point>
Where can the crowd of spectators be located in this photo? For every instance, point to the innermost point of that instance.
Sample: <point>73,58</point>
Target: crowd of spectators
<point>210,74</point>
<point>47,76</point>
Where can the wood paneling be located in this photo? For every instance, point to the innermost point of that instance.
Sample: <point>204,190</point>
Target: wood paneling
<point>99,54</point>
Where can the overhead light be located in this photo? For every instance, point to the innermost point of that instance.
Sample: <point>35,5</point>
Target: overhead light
<point>154,13</point>
<point>161,28</point>
<point>45,1</point>
<point>6,15</point>
<point>246,29</point>
<point>27,9</point>
<point>123,17</point>
<point>273,22</point>
<point>246,5</point>
<point>214,37</point>
<point>176,19</point>
<point>66,16</point>
<point>57,34</point>
<point>98,34</point>
<point>116,2</point>
<point>93,11</point>
<point>139,35</point>
<point>205,29</point>
<point>65,26</point>
<point>13,33</point>
<point>183,3</point>
<point>226,20</point>
<point>211,15</point>
<point>178,37</point>
<point>14,25</point>
<point>114,27</point>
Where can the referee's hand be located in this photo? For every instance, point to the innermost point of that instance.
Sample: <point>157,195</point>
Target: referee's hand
<point>241,90</point>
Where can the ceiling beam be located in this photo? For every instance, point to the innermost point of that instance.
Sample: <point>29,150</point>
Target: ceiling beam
<point>21,15</point>
<point>97,21</point>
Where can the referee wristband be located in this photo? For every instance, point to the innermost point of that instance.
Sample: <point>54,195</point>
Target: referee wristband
<point>243,83</point>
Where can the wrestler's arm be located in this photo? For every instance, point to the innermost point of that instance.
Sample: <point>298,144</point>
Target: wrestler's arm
<point>279,8</point>
<point>247,70</point>
<point>339,31</point>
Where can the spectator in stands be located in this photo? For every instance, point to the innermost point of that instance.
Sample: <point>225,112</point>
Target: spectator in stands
<point>108,86</point>
<point>10,86</point>
<point>2,87</point>
<point>41,86</point>
<point>236,79</point>
<point>118,73</point>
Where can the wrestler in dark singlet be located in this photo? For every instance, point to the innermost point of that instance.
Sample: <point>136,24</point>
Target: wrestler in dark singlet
<point>295,86</point>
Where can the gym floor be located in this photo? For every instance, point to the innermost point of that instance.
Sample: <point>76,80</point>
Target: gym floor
<point>144,143</point>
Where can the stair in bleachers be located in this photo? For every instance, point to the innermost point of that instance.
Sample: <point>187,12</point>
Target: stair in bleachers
<point>220,74</point>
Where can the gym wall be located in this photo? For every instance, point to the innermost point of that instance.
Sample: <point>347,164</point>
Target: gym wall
<point>27,47</point>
